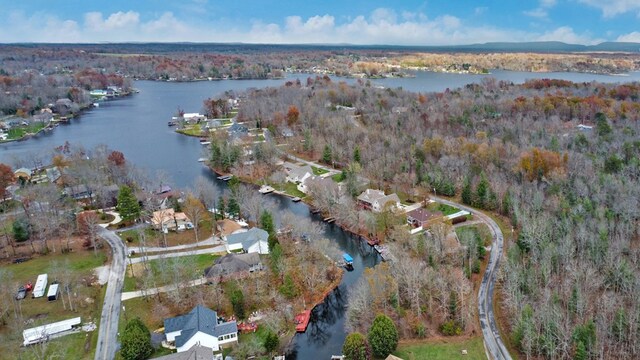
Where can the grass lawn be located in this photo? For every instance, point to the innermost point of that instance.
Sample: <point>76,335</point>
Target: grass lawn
<point>191,130</point>
<point>154,238</point>
<point>292,189</point>
<point>337,177</point>
<point>199,263</point>
<point>318,171</point>
<point>19,132</point>
<point>444,209</point>
<point>260,137</point>
<point>443,350</point>
<point>40,311</point>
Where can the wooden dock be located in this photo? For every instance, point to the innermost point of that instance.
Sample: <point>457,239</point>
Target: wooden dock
<point>302,320</point>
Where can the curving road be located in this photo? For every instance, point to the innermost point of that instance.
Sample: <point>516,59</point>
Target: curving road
<point>493,344</point>
<point>108,331</point>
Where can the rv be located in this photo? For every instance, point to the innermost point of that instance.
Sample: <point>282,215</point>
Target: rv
<point>53,292</point>
<point>41,286</point>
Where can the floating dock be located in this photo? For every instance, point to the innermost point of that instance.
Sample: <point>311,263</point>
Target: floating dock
<point>302,320</point>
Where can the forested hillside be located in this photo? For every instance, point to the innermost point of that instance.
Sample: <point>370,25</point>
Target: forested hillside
<point>561,160</point>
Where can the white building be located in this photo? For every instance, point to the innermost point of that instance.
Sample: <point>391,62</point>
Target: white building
<point>297,174</point>
<point>200,326</point>
<point>42,333</point>
<point>254,240</point>
<point>376,200</point>
<point>41,286</point>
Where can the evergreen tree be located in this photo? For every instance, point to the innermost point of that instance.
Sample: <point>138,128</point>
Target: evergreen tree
<point>21,230</point>
<point>237,302</point>
<point>482,192</point>
<point>271,342</point>
<point>233,208</point>
<point>602,126</point>
<point>581,352</point>
<point>221,206</point>
<point>128,205</point>
<point>356,154</point>
<point>326,154</point>
<point>506,203</point>
<point>288,288</point>
<point>356,347</point>
<point>383,336</point>
<point>467,193</point>
<point>135,341</point>
<point>266,222</point>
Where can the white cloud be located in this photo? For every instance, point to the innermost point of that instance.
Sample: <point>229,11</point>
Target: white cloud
<point>567,35</point>
<point>382,26</point>
<point>611,8</point>
<point>539,13</point>
<point>630,37</point>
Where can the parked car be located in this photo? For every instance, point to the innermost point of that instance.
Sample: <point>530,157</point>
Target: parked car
<point>22,293</point>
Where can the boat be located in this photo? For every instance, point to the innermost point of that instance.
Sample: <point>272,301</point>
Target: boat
<point>348,261</point>
<point>202,159</point>
<point>204,143</point>
<point>266,189</point>
<point>225,177</point>
<point>296,199</point>
<point>171,123</point>
<point>302,320</point>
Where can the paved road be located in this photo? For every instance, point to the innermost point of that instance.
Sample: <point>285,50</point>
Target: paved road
<point>211,241</point>
<point>108,331</point>
<point>494,346</point>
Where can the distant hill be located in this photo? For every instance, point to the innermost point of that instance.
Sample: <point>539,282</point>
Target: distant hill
<point>535,46</point>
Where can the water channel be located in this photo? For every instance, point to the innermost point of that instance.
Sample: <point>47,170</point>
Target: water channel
<point>137,126</point>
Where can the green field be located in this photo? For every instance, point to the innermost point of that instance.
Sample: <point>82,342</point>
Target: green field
<point>191,130</point>
<point>292,189</point>
<point>444,209</point>
<point>445,350</point>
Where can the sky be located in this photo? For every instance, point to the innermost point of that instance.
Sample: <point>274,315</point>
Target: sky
<point>381,22</point>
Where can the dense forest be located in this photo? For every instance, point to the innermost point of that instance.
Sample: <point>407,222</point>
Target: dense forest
<point>560,160</point>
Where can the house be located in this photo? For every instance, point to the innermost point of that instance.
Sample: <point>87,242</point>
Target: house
<point>196,352</point>
<point>237,265</point>
<point>420,217</point>
<point>237,129</point>
<point>200,326</point>
<point>254,240</point>
<point>317,181</point>
<point>193,118</point>
<point>376,200</point>
<point>23,173</point>
<point>297,174</point>
<point>286,132</point>
<point>78,192</point>
<point>53,174</point>
<point>168,219</point>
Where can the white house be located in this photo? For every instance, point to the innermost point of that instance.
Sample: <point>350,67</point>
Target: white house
<point>321,182</point>
<point>193,118</point>
<point>297,174</point>
<point>376,200</point>
<point>200,326</point>
<point>254,240</point>
<point>196,352</point>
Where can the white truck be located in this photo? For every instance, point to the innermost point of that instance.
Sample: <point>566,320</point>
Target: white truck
<point>40,287</point>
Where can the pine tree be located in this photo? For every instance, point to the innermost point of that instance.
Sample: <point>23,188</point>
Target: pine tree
<point>326,154</point>
<point>356,154</point>
<point>128,205</point>
<point>266,222</point>
<point>467,194</point>
<point>356,347</point>
<point>135,341</point>
<point>482,192</point>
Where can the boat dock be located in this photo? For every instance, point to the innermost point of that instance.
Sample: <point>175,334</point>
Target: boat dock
<point>329,219</point>
<point>225,177</point>
<point>302,320</point>
<point>266,189</point>
<point>384,252</point>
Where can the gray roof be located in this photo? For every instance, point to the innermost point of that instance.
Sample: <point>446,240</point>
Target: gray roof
<point>237,128</point>
<point>53,174</point>
<point>196,352</point>
<point>234,263</point>
<point>248,238</point>
<point>200,319</point>
<point>371,195</point>
<point>299,171</point>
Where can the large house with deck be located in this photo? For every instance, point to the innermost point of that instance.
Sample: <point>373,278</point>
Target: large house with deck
<point>201,326</point>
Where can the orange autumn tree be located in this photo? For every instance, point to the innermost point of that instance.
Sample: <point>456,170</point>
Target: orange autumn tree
<point>539,162</point>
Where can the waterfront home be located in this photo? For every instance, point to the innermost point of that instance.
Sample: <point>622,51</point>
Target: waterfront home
<point>297,174</point>
<point>196,352</point>
<point>233,265</point>
<point>377,201</point>
<point>254,240</point>
<point>315,181</point>
<point>78,192</point>
<point>193,118</point>
<point>23,173</point>
<point>169,219</point>
<point>53,174</point>
<point>200,326</point>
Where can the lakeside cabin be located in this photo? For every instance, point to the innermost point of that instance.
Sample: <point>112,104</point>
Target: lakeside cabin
<point>41,286</point>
